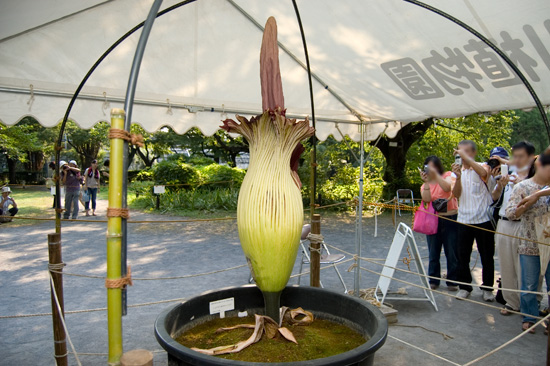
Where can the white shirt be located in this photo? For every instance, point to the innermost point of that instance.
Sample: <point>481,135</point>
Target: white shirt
<point>6,206</point>
<point>474,200</point>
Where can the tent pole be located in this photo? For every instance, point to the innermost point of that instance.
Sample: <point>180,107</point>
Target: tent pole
<point>313,140</point>
<point>128,105</point>
<point>359,218</point>
<point>499,52</point>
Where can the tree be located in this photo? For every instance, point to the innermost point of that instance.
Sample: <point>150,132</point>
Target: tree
<point>395,151</point>
<point>155,145</point>
<point>220,146</point>
<point>87,143</point>
<point>26,142</point>
<point>487,131</point>
<point>529,126</point>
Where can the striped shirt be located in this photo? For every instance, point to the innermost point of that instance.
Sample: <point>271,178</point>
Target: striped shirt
<point>474,200</point>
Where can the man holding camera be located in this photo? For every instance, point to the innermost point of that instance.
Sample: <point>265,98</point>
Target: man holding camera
<point>474,199</point>
<point>70,176</point>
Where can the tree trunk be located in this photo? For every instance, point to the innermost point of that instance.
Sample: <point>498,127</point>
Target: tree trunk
<point>11,170</point>
<point>395,151</point>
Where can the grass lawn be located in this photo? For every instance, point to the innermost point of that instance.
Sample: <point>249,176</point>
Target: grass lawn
<point>32,202</point>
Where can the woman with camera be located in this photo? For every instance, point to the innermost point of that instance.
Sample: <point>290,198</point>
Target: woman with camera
<point>437,190</point>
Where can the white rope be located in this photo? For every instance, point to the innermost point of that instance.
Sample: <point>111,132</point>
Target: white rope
<point>425,351</point>
<point>507,343</point>
<point>370,260</point>
<point>63,319</point>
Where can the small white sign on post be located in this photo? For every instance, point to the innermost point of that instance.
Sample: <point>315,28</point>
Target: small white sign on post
<point>159,189</point>
<point>221,306</point>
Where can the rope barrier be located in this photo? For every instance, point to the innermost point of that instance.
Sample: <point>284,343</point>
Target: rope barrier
<point>129,221</point>
<point>437,278</point>
<point>507,343</point>
<point>424,351</point>
<point>155,278</point>
<point>446,294</point>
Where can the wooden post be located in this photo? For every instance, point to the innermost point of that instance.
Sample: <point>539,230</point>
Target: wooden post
<point>137,357</point>
<point>315,253</point>
<point>55,261</point>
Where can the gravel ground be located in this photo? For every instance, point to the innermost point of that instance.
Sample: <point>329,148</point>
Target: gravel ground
<point>163,250</point>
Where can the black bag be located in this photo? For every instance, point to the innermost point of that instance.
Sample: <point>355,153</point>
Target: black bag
<point>440,205</point>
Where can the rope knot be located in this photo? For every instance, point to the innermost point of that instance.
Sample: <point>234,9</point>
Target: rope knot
<point>133,139</point>
<point>315,238</point>
<point>120,282</point>
<point>56,266</point>
<point>118,212</point>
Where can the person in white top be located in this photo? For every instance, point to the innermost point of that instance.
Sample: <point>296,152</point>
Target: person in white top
<point>5,203</point>
<point>523,154</point>
<point>474,199</point>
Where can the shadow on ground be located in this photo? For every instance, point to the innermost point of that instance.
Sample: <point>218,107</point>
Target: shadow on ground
<point>163,250</point>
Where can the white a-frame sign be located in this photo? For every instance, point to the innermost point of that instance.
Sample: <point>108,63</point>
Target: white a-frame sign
<point>403,234</point>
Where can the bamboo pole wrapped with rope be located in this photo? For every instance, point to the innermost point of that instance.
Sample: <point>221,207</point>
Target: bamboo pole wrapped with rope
<point>114,238</point>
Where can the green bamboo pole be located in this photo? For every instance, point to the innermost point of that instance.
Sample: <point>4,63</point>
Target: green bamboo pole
<point>114,299</point>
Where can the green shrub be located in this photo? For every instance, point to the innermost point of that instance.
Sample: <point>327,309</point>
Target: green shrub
<point>176,172</point>
<point>343,186</point>
<point>140,188</point>
<point>224,175</point>
<point>223,199</point>
<point>197,161</point>
<point>144,175</point>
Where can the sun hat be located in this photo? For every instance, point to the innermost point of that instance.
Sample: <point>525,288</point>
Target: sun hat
<point>6,189</point>
<point>73,162</point>
<point>62,162</point>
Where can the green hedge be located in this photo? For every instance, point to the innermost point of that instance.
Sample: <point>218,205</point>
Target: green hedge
<point>221,176</point>
<point>176,172</point>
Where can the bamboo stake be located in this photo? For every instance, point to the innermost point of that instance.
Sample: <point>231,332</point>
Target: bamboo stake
<point>315,253</point>
<point>114,298</point>
<point>55,261</point>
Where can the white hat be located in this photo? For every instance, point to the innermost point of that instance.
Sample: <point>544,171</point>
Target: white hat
<point>62,162</point>
<point>73,162</point>
<point>6,189</point>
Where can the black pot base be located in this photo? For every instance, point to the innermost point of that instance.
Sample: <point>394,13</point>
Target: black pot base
<point>344,309</point>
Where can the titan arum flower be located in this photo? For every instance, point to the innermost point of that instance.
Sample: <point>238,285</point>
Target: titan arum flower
<point>270,213</point>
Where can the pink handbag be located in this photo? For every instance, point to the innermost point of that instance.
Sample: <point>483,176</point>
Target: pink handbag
<point>425,220</point>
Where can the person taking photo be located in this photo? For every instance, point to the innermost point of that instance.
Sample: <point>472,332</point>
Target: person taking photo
<point>507,245</point>
<point>437,189</point>
<point>529,201</point>
<point>474,198</point>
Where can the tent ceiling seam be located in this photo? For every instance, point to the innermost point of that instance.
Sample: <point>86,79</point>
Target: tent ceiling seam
<point>54,21</point>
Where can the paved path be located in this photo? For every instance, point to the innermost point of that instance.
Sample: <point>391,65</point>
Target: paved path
<point>162,250</point>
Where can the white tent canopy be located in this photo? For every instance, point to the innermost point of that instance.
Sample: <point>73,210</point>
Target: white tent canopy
<point>389,61</point>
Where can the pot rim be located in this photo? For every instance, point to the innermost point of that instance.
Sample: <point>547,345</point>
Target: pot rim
<point>375,341</point>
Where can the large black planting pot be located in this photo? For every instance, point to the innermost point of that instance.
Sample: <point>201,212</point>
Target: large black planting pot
<point>341,308</point>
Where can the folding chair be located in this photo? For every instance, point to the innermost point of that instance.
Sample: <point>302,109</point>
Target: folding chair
<point>326,257</point>
<point>404,196</point>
